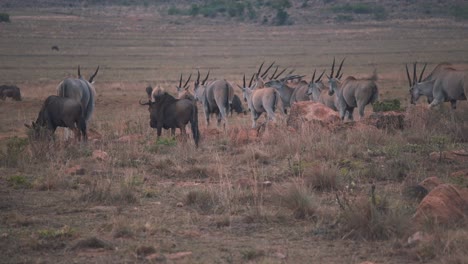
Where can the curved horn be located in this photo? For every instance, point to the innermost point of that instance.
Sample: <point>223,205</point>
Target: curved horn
<point>276,70</point>
<point>266,71</point>
<point>148,103</point>
<point>94,75</point>
<point>339,69</point>
<point>291,71</point>
<point>279,74</point>
<point>320,77</point>
<point>79,73</point>
<point>414,73</point>
<point>260,69</point>
<point>333,68</point>
<point>243,81</point>
<point>198,78</point>
<point>188,80</point>
<point>251,80</point>
<point>180,80</point>
<point>408,75</point>
<point>206,78</point>
<point>420,76</point>
<point>313,76</point>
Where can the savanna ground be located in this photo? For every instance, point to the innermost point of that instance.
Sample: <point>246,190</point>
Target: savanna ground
<point>149,200</point>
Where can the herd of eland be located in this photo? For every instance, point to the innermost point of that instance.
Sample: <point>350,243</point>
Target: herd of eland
<point>74,103</point>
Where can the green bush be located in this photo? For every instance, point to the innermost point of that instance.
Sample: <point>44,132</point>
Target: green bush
<point>344,18</point>
<point>378,11</point>
<point>282,17</point>
<point>460,12</point>
<point>387,105</point>
<point>4,17</point>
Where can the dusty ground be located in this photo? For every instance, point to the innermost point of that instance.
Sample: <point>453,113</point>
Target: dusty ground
<point>149,200</point>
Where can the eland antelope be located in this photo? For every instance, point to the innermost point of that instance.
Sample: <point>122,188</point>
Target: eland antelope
<point>352,92</point>
<point>443,84</point>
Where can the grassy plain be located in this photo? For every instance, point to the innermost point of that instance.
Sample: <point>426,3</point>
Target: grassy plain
<point>149,200</point>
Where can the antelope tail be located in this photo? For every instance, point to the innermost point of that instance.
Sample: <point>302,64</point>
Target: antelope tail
<point>230,95</point>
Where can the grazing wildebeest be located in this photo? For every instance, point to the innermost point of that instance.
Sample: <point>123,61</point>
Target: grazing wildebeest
<point>182,90</point>
<point>444,84</point>
<point>170,113</point>
<point>60,112</point>
<point>237,105</point>
<point>319,93</point>
<point>55,47</point>
<point>215,96</point>
<point>261,100</point>
<point>80,90</point>
<point>352,92</point>
<point>149,90</point>
<point>10,91</point>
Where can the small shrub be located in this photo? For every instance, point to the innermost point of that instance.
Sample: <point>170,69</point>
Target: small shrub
<point>4,17</point>
<point>64,232</point>
<point>172,11</point>
<point>19,182</point>
<point>282,17</point>
<point>372,218</point>
<point>323,178</point>
<point>344,18</point>
<point>14,149</point>
<point>204,201</point>
<point>387,105</point>
<point>300,200</point>
<point>252,254</point>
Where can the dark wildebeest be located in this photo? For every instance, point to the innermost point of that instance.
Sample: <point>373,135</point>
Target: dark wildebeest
<point>170,113</point>
<point>236,105</point>
<point>216,98</point>
<point>55,47</point>
<point>81,90</point>
<point>149,90</point>
<point>352,92</point>
<point>444,84</point>
<point>60,112</point>
<point>10,91</point>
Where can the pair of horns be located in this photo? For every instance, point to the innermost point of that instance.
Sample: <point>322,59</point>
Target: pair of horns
<point>198,78</point>
<point>186,83</point>
<point>414,81</point>
<point>92,76</point>
<point>338,76</point>
<point>251,80</point>
<point>318,79</point>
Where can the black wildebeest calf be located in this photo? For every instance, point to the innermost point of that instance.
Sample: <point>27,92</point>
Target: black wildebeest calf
<point>10,91</point>
<point>170,113</point>
<point>60,112</point>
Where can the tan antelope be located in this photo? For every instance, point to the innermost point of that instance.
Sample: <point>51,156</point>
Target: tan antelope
<point>444,84</point>
<point>216,98</point>
<point>352,92</point>
<point>319,93</point>
<point>259,101</point>
<point>183,90</point>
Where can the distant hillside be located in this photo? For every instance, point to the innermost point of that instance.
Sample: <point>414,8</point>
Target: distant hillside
<point>275,12</point>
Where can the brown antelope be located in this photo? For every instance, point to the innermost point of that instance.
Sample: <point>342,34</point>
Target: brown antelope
<point>262,100</point>
<point>352,92</point>
<point>443,84</point>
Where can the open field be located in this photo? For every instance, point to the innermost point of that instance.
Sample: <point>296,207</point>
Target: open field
<point>148,200</point>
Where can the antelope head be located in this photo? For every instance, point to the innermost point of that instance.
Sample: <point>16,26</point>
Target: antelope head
<point>334,81</point>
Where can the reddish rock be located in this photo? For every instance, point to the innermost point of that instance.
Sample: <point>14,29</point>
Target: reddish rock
<point>460,156</point>
<point>75,170</point>
<point>100,155</point>
<point>311,112</point>
<point>446,204</point>
<point>460,177</point>
<point>430,183</point>
<point>386,120</point>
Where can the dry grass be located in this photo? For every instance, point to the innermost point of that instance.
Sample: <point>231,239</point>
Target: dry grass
<point>270,199</point>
